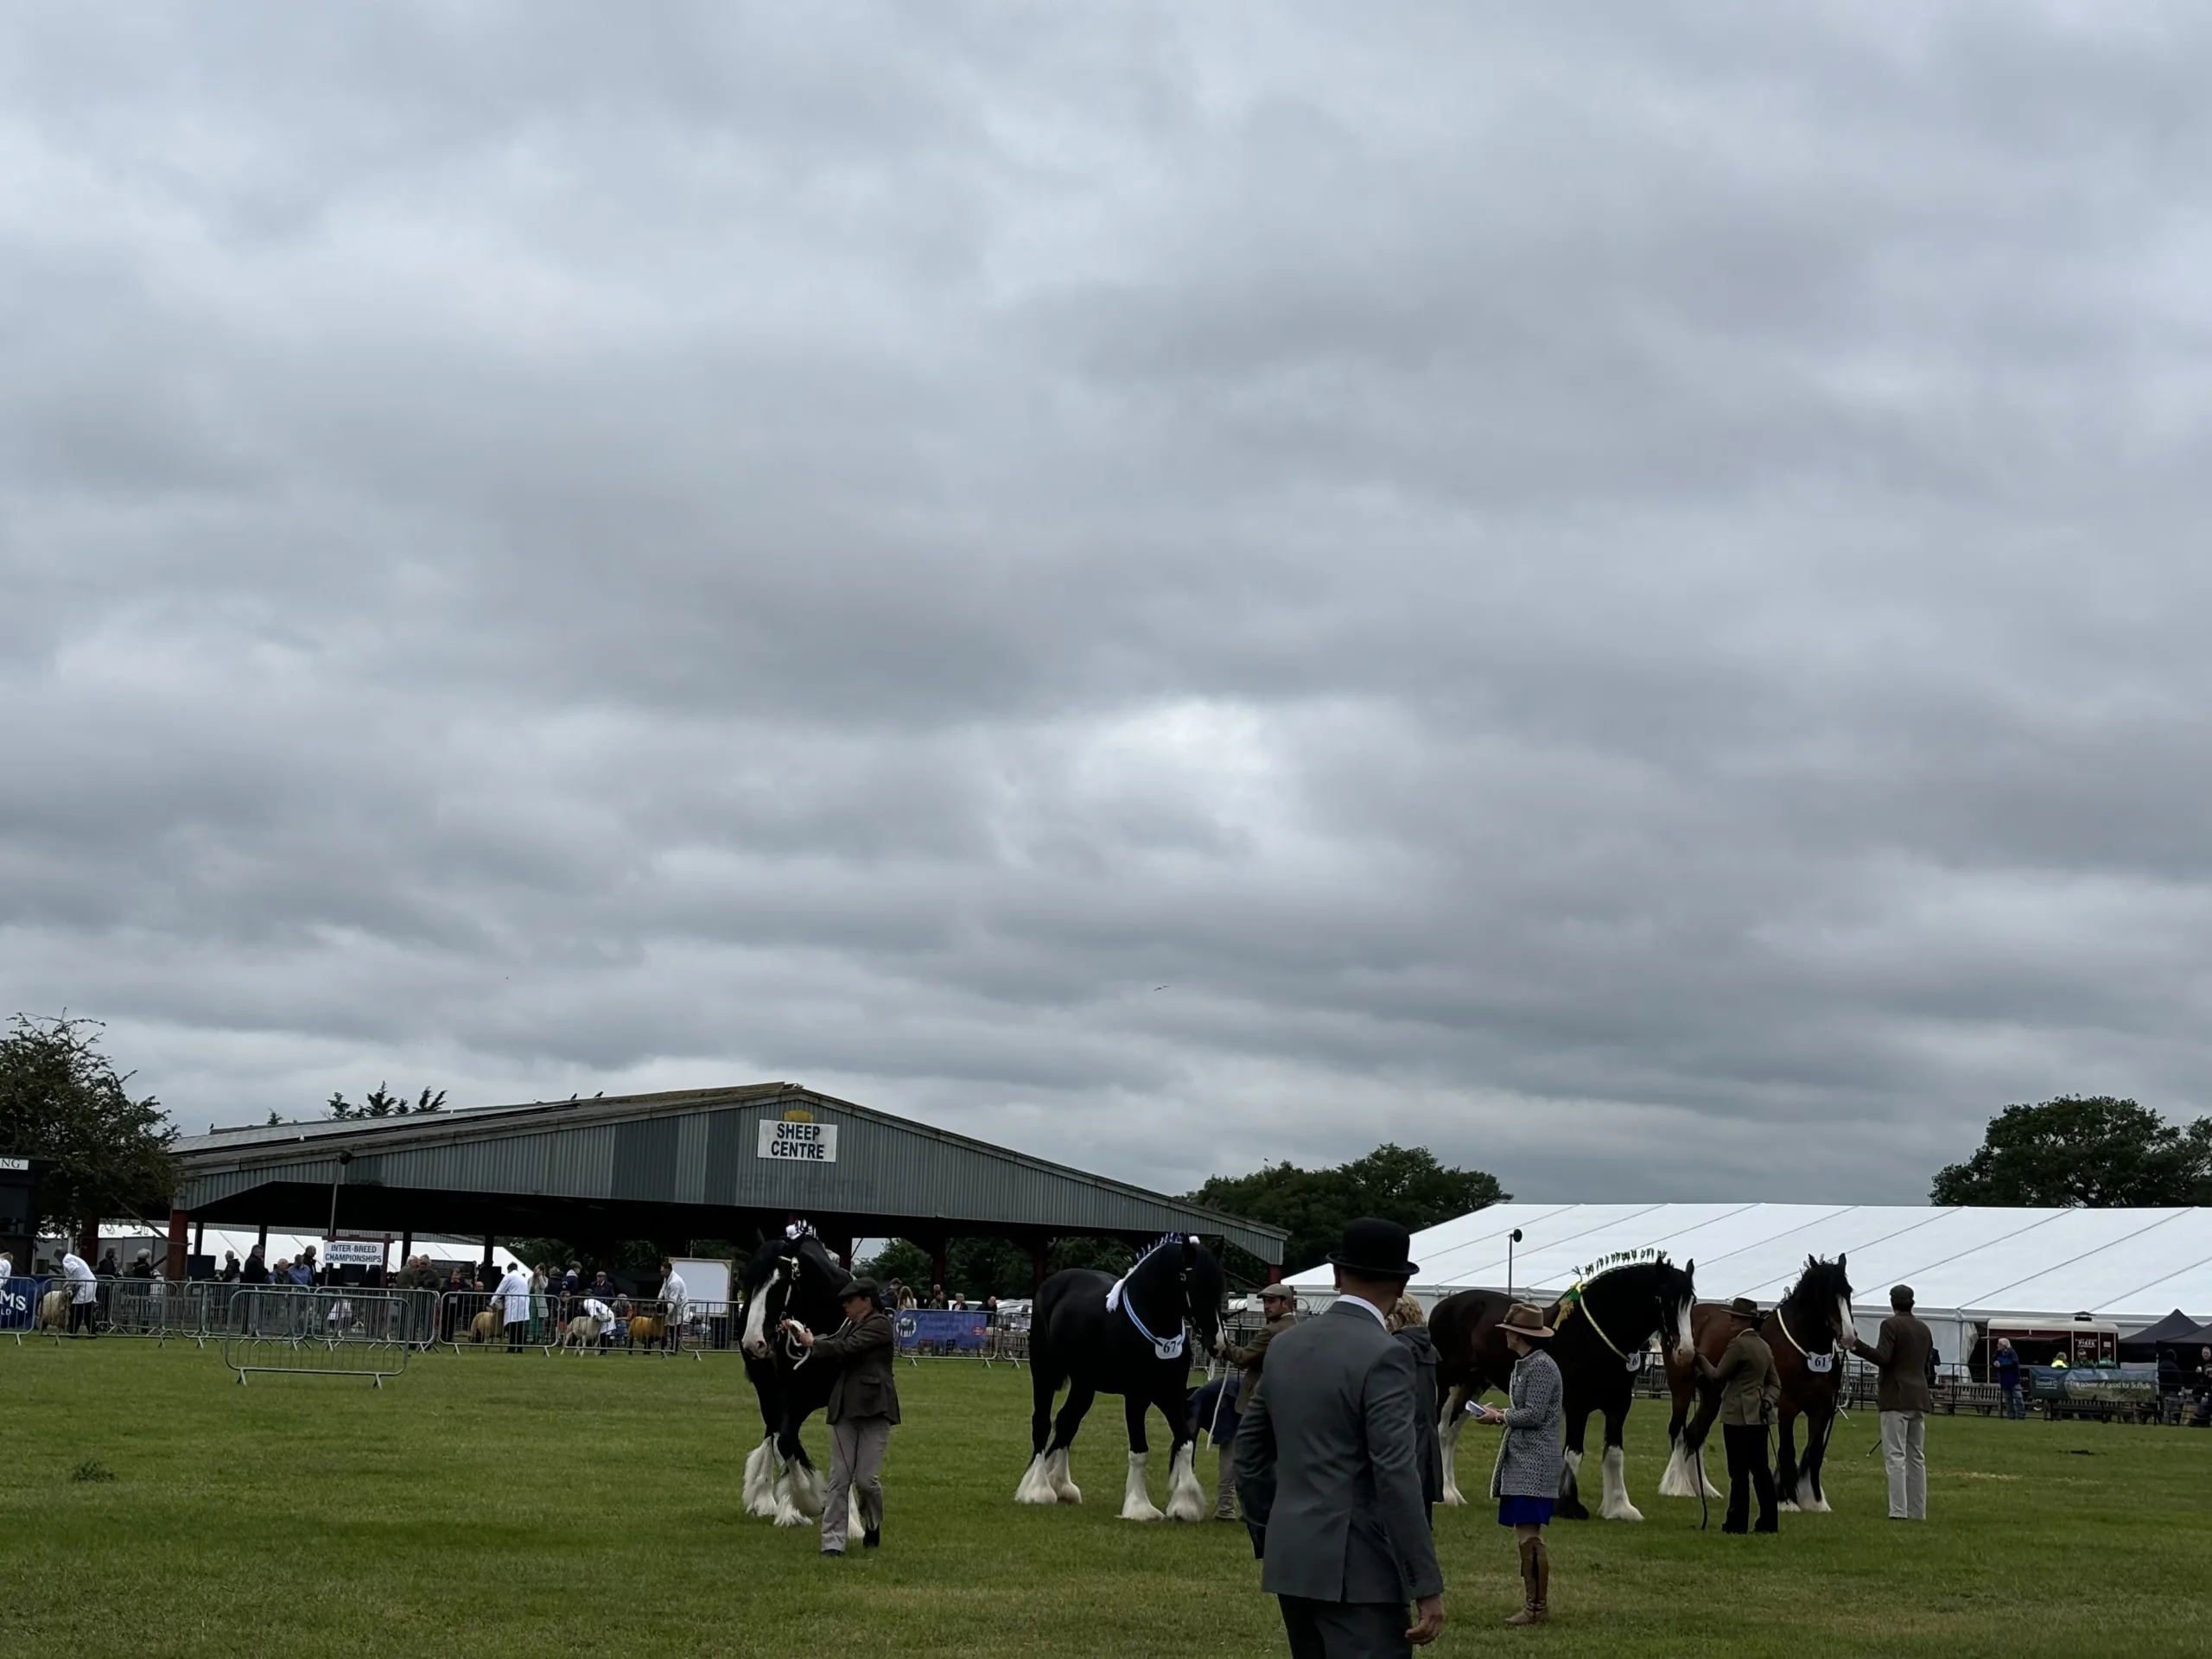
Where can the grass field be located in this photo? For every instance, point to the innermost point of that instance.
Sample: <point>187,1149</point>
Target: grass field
<point>493,1504</point>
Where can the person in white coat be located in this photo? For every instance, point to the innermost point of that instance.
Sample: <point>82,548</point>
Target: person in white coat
<point>514,1297</point>
<point>676,1300</point>
<point>84,1295</point>
<point>602,1317</point>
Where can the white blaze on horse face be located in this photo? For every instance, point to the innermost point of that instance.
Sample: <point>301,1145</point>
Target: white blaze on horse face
<point>1846,1328</point>
<point>1683,1340</point>
<point>755,1340</point>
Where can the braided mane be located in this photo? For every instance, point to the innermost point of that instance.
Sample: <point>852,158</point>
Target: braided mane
<point>1605,1265</point>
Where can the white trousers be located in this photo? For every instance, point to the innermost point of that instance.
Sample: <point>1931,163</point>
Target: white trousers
<point>1904,1455</point>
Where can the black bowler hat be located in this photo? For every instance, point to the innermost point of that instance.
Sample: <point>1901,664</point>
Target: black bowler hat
<point>1375,1248</point>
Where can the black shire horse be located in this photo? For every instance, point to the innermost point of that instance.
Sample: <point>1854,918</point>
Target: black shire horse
<point>1809,1330</point>
<point>1101,1335</point>
<point>1603,1325</point>
<point>793,1277</point>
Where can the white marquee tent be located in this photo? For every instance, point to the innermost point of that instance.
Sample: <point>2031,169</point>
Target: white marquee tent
<point>1966,1266</point>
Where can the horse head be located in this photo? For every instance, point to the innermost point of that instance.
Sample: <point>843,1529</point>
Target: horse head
<point>767,1281</point>
<point>1825,1288</point>
<point>1204,1291</point>
<point>1675,1292</point>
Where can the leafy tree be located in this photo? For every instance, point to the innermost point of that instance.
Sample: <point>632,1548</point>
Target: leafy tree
<point>981,1267</point>
<point>1401,1184</point>
<point>379,1104</point>
<point>2093,1151</point>
<point>60,1098</point>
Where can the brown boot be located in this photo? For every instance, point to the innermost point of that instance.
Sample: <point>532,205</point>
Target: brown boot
<point>1530,1613</point>
<point>1543,1584</point>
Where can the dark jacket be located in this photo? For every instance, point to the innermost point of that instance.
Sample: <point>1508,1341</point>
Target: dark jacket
<point>1904,1354</point>
<point>1252,1356</point>
<point>1428,1451</point>
<point>255,1272</point>
<point>1750,1385</point>
<point>862,1354</point>
<point>2008,1368</point>
<point>1213,1408</point>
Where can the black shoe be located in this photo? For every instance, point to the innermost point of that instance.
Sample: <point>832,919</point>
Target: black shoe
<point>872,1538</point>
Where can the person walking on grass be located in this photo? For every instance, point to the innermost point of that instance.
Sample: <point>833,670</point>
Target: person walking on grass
<point>514,1298</point>
<point>84,1295</point>
<point>1279,1307</point>
<point>2008,1378</point>
<point>1750,1389</point>
<point>1525,1479</point>
<point>1409,1324</point>
<point>1904,1356</point>
<point>1327,1467</point>
<point>862,1411</point>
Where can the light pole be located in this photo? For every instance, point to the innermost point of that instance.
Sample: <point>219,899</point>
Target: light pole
<point>1511,1239</point>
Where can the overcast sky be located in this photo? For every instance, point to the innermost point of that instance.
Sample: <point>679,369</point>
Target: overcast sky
<point>1620,593</point>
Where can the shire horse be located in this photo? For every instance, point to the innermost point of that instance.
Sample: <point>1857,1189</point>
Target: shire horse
<point>793,1277</point>
<point>1101,1335</point>
<point>1613,1310</point>
<point>1809,1330</point>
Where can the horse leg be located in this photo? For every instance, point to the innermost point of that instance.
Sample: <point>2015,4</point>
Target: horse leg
<point>1785,1464</point>
<point>1056,1456</point>
<point>1447,1438</point>
<point>1679,1479</point>
<point>799,1491</point>
<point>1036,1486</point>
<point>1570,1505</point>
<point>1615,1505</point>
<point>1136,1503</point>
<point>1186,1498</point>
<point>1819,1423</point>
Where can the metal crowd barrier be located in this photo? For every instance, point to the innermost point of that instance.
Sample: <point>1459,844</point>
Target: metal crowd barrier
<point>336,1331</point>
<point>475,1320</point>
<point>964,1333</point>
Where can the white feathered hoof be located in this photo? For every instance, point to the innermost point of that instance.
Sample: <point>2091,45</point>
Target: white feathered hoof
<point>1186,1499</point>
<point>1451,1498</point>
<point>1788,1506</point>
<point>1679,1479</point>
<point>1616,1506</point>
<point>1136,1503</point>
<point>1056,1471</point>
<point>788,1512</point>
<point>1808,1502</point>
<point>1036,1484</point>
<point>760,1480</point>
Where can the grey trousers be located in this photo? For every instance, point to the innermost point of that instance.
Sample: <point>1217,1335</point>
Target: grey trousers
<point>1345,1630</point>
<point>1904,1455</point>
<point>856,1449</point>
<point>1224,1502</point>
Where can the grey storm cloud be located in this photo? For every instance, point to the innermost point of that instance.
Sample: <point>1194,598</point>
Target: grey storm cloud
<point>1614,593</point>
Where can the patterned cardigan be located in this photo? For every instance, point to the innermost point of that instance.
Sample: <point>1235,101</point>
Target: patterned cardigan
<point>1530,1464</point>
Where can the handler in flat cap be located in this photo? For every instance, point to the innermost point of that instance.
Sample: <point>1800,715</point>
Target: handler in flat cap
<point>1327,1466</point>
<point>863,1408</point>
<point>1906,1359</point>
<point>1279,1306</point>
<point>1750,1388</point>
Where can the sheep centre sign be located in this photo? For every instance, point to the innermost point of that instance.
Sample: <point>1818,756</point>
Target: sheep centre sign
<point>805,1143</point>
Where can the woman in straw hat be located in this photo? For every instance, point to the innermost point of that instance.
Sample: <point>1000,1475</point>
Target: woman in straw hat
<point>1525,1481</point>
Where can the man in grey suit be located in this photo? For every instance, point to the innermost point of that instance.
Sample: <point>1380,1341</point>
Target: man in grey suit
<point>1326,1465</point>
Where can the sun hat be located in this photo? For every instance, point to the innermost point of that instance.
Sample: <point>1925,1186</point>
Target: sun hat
<point>1524,1319</point>
<point>1376,1248</point>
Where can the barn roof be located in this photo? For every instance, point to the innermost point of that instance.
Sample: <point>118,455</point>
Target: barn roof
<point>702,1161</point>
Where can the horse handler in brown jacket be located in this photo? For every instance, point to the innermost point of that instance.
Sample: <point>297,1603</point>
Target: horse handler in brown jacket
<point>1750,1386</point>
<point>863,1406</point>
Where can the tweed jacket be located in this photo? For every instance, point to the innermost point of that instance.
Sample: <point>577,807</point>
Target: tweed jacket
<point>1750,1384</point>
<point>1326,1463</point>
<point>862,1353</point>
<point>1252,1356</point>
<point>1907,1349</point>
<point>1529,1463</point>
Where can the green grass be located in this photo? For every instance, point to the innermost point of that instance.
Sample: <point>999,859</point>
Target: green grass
<point>490,1504</point>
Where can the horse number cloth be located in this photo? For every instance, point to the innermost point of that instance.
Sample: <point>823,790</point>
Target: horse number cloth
<point>1166,1349</point>
<point>1820,1362</point>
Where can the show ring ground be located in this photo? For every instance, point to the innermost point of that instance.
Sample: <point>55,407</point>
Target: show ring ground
<point>485,1504</point>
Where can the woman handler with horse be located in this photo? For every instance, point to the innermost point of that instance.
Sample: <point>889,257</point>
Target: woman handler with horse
<point>1748,1386</point>
<point>1526,1479</point>
<point>863,1406</point>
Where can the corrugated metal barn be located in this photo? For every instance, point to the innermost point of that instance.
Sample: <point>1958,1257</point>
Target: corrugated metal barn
<point>715,1163</point>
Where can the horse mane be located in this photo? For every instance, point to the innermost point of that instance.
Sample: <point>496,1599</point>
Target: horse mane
<point>1158,1245</point>
<point>1820,1282</point>
<point>1618,1261</point>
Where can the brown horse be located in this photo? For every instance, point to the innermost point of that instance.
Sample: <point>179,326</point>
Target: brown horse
<point>1809,1330</point>
<point>1606,1320</point>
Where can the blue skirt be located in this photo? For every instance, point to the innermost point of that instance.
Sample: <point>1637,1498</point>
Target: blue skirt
<point>1525,1511</point>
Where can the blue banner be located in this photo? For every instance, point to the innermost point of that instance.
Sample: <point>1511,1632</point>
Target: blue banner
<point>19,1301</point>
<point>942,1328</point>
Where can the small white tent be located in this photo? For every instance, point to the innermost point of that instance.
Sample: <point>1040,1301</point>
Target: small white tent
<point>1966,1266</point>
